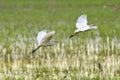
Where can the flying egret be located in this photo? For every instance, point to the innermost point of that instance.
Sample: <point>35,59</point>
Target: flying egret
<point>44,39</point>
<point>82,25</point>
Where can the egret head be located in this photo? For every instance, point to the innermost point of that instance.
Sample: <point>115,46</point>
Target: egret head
<point>93,26</point>
<point>50,43</point>
<point>53,42</point>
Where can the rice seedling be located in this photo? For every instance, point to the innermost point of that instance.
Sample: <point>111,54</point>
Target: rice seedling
<point>92,55</point>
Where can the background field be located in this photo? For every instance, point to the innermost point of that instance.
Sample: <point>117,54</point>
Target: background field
<point>92,55</point>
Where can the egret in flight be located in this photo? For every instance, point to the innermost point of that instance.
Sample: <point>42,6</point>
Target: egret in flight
<point>44,39</point>
<point>82,25</point>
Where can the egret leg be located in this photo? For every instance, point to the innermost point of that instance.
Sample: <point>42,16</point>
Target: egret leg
<point>36,49</point>
<point>73,34</point>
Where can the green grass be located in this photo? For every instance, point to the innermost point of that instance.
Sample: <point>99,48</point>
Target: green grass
<point>70,59</point>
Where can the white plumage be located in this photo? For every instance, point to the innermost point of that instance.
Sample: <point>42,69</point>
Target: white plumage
<point>44,39</point>
<point>40,36</point>
<point>81,25</point>
<point>81,21</point>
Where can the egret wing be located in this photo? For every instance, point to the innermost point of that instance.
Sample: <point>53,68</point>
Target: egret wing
<point>81,21</point>
<point>41,35</point>
<point>48,37</point>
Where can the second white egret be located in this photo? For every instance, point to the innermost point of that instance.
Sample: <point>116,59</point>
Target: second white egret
<point>82,25</point>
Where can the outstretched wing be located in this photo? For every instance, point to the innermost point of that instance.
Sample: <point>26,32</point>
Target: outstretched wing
<point>81,21</point>
<point>40,36</point>
<point>48,37</point>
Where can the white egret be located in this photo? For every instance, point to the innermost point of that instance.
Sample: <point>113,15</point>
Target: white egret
<point>44,39</point>
<point>82,25</point>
